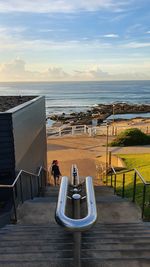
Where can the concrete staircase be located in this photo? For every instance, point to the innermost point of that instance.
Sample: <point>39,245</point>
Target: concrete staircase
<point>118,239</point>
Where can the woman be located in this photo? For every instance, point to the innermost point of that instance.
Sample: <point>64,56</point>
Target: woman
<point>56,172</point>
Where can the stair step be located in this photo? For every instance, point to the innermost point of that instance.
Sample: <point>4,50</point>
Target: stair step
<point>49,242</point>
<point>116,240</point>
<point>65,254</point>
<point>120,254</point>
<point>118,235</point>
<point>59,262</point>
<point>116,262</point>
<point>116,246</point>
<point>34,248</point>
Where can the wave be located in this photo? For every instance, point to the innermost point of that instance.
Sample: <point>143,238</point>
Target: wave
<point>69,106</point>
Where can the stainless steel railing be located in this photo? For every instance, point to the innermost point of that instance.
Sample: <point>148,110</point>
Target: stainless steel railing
<point>75,180</point>
<point>76,224</point>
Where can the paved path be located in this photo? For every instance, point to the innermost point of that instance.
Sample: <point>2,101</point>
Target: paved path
<point>83,151</point>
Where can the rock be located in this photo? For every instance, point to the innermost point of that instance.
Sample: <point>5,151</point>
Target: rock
<point>101,112</point>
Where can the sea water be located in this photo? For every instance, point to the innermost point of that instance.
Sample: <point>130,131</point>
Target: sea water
<point>71,97</point>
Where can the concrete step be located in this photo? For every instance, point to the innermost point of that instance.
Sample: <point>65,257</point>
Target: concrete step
<point>52,191</point>
<point>116,263</point>
<point>85,263</point>
<point>118,235</point>
<point>116,246</point>
<point>110,199</point>
<point>59,262</point>
<point>34,247</point>
<point>114,240</point>
<point>44,255</point>
<point>50,242</point>
<point>113,254</point>
<point>103,191</point>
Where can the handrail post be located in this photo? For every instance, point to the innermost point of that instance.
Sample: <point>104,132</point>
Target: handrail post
<point>77,235</point>
<point>111,175</point>
<point>134,187</point>
<point>74,175</point>
<point>31,189</point>
<point>21,189</point>
<point>115,184</point>
<point>143,204</point>
<point>14,203</point>
<point>38,180</point>
<point>123,185</point>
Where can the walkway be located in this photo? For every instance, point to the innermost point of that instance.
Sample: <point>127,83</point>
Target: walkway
<point>83,151</point>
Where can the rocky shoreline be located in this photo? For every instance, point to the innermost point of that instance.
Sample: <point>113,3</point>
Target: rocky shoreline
<point>100,112</point>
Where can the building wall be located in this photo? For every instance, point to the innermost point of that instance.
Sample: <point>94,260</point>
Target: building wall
<point>7,157</point>
<point>29,132</point>
<point>22,141</point>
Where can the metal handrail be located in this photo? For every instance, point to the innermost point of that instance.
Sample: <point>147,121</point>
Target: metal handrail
<point>75,180</point>
<point>136,173</point>
<point>141,177</point>
<point>13,188</point>
<point>76,224</point>
<point>18,176</point>
<point>126,171</point>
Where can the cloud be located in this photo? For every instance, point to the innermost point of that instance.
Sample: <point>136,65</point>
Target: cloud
<point>17,71</point>
<point>136,45</point>
<point>111,35</point>
<point>91,74</point>
<point>60,6</point>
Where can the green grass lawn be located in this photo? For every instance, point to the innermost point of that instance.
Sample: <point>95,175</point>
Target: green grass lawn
<point>142,163</point>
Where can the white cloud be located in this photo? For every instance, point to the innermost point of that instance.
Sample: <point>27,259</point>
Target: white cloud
<point>136,45</point>
<point>65,6</point>
<point>17,71</point>
<point>148,32</point>
<point>93,73</point>
<point>111,35</point>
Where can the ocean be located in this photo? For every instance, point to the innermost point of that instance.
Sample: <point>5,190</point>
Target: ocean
<point>70,97</point>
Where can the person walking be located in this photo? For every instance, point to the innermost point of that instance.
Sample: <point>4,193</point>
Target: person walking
<point>56,172</point>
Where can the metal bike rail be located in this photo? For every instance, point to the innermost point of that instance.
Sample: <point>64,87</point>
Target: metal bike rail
<point>82,224</point>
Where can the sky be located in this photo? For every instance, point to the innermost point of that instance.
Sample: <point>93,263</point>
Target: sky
<point>78,40</point>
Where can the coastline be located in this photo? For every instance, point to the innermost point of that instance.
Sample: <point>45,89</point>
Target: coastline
<point>100,113</point>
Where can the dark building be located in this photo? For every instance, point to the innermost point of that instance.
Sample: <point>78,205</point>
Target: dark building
<point>22,139</point>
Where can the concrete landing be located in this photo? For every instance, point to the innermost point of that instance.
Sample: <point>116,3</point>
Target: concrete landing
<point>114,209</point>
<point>110,208</point>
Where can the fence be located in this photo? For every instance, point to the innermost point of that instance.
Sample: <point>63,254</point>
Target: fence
<point>101,130</point>
<point>26,186</point>
<point>130,184</point>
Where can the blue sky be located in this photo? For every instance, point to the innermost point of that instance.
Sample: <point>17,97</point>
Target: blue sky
<point>74,40</point>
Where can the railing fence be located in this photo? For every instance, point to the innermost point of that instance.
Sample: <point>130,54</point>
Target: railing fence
<point>26,186</point>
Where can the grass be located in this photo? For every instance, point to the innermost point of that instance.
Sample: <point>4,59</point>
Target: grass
<point>142,163</point>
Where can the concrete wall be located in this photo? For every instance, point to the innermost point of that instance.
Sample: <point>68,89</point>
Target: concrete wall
<point>22,139</point>
<point>29,132</point>
<point>7,157</point>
